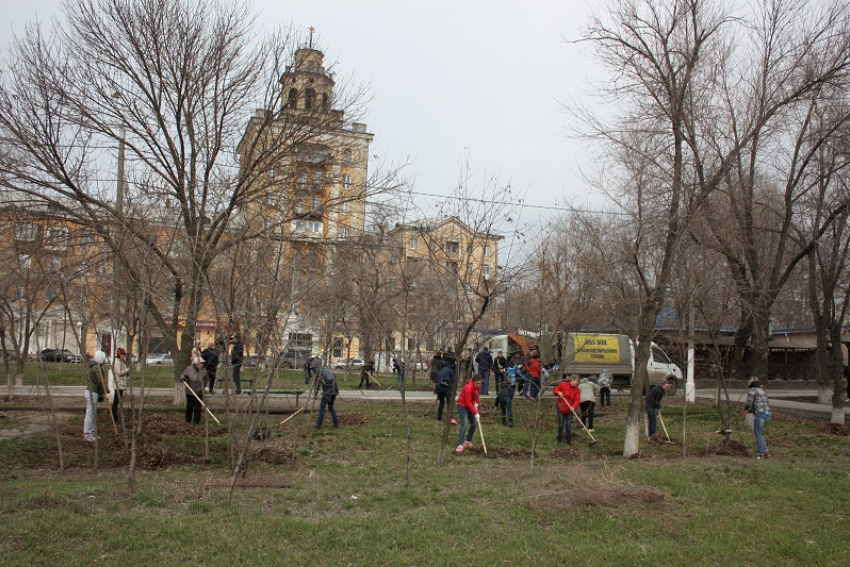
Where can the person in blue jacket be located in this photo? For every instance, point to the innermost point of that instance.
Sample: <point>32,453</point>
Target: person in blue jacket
<point>330,390</point>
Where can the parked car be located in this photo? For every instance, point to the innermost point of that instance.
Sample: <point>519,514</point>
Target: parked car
<point>348,363</point>
<point>60,355</point>
<point>294,358</point>
<point>159,359</point>
<point>10,353</point>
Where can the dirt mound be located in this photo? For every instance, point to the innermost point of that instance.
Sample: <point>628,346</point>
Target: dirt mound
<point>729,448</point>
<point>351,419</point>
<point>161,424</point>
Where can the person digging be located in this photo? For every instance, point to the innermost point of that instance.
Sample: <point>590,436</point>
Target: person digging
<point>467,412</point>
<point>568,397</point>
<point>653,405</point>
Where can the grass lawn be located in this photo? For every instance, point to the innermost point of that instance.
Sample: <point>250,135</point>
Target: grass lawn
<point>346,500</point>
<point>159,376</point>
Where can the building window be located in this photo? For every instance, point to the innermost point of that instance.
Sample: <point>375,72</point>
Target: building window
<point>309,97</point>
<point>452,247</point>
<point>299,206</point>
<point>414,243</point>
<point>337,348</point>
<point>25,231</point>
<point>317,203</point>
<point>486,250</point>
<point>57,238</point>
<point>313,227</point>
<point>343,232</point>
<point>346,156</point>
<point>432,246</point>
<point>470,268</point>
<point>343,207</point>
<point>346,181</point>
<point>24,262</point>
<point>469,248</point>
<point>485,270</point>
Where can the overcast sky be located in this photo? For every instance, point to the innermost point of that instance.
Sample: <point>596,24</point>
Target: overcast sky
<point>478,80</point>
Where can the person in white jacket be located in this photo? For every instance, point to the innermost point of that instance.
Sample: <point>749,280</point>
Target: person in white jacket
<point>604,382</point>
<point>119,378</point>
<point>589,391</point>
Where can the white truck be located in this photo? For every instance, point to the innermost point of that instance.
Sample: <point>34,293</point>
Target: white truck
<point>590,353</point>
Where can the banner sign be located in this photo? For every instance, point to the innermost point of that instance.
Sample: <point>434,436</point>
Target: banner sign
<point>596,349</point>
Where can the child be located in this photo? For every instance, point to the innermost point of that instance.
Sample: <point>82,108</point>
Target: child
<point>467,411</point>
<point>569,398</point>
<point>505,401</point>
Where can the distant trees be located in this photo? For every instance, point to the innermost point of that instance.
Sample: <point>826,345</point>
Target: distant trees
<point>708,101</point>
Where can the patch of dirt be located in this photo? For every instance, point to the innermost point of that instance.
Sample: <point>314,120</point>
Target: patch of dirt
<point>351,419</point>
<point>730,448</point>
<point>659,440</point>
<point>585,488</point>
<point>835,429</point>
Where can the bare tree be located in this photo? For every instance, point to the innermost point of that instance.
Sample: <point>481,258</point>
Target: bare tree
<point>175,84</point>
<point>685,73</point>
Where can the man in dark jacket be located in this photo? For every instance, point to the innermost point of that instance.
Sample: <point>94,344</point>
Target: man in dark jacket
<point>237,358</point>
<point>500,365</point>
<point>330,390</point>
<point>445,379</point>
<point>211,361</point>
<point>484,360</point>
<point>653,405</point>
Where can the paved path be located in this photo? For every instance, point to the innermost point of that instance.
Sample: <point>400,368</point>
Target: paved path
<point>73,396</point>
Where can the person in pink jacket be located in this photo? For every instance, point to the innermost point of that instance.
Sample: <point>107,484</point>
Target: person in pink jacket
<point>569,398</point>
<point>467,411</point>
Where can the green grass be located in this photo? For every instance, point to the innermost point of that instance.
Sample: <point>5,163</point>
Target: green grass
<point>156,376</point>
<point>347,502</point>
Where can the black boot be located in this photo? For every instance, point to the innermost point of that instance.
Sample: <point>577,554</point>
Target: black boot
<point>504,421</point>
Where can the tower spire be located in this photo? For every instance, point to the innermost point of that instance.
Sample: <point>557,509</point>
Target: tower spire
<point>312,31</point>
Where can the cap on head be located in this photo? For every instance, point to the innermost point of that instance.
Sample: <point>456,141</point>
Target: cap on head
<point>99,357</point>
<point>197,360</point>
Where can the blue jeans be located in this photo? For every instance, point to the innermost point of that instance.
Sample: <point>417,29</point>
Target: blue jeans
<point>465,417</point>
<point>565,421</point>
<point>526,383</point>
<point>651,414</point>
<point>485,376</point>
<point>758,430</point>
<point>535,387</point>
<point>327,402</point>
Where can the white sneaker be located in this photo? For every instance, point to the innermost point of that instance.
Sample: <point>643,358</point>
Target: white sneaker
<point>591,430</point>
<point>459,449</point>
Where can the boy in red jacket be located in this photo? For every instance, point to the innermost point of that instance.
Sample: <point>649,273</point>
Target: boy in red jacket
<point>569,398</point>
<point>467,411</point>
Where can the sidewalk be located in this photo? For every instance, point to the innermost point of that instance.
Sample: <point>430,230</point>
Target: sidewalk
<point>781,405</point>
<point>72,397</point>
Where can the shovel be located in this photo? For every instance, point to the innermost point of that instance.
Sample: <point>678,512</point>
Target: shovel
<point>483,443</point>
<point>725,429</point>
<point>664,427</point>
<point>203,405</point>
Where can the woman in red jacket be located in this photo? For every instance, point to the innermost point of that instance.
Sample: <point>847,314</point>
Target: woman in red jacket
<point>569,398</point>
<point>467,411</point>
